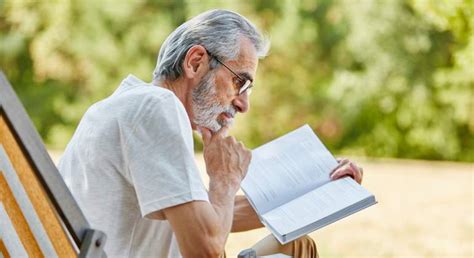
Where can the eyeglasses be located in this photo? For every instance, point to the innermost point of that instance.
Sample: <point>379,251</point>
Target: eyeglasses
<point>244,84</point>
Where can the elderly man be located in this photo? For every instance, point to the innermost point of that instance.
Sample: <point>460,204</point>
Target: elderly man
<point>130,164</point>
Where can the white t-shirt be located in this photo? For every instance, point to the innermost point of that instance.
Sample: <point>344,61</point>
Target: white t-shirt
<point>132,154</point>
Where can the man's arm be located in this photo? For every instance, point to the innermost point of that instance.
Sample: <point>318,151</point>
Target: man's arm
<point>202,228</point>
<point>245,217</point>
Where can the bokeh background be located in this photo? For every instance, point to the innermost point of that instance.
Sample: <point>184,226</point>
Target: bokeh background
<point>381,81</point>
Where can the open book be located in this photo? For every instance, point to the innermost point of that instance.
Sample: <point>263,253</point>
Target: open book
<point>288,184</point>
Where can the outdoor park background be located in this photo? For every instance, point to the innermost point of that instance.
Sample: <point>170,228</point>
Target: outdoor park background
<point>388,83</point>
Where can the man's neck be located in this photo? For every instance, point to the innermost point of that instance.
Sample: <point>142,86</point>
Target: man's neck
<point>181,90</point>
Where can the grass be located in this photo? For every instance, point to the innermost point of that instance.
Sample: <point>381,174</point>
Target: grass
<point>425,209</point>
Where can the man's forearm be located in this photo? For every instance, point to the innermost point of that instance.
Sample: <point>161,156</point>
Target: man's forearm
<point>245,217</point>
<point>202,228</point>
<point>221,197</point>
<point>227,163</point>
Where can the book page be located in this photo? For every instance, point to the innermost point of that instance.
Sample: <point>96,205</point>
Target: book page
<point>315,205</point>
<point>286,168</point>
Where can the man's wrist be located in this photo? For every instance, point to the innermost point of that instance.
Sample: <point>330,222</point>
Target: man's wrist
<point>223,190</point>
<point>228,180</point>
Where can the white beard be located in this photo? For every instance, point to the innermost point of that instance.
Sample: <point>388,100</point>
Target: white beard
<point>205,109</point>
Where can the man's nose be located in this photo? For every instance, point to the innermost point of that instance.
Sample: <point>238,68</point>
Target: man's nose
<point>241,103</point>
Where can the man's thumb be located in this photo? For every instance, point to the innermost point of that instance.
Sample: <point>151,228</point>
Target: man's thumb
<point>222,133</point>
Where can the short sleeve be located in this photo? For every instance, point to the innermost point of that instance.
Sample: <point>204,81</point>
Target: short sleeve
<point>160,156</point>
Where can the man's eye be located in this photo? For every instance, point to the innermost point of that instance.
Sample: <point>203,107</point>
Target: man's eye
<point>239,82</point>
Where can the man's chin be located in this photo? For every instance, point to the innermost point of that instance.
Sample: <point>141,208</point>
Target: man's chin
<point>215,125</point>
<point>228,122</point>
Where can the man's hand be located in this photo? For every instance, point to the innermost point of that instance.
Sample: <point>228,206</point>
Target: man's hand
<point>347,168</point>
<point>227,160</point>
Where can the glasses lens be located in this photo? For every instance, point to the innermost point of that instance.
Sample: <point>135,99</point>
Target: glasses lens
<point>249,91</point>
<point>246,87</point>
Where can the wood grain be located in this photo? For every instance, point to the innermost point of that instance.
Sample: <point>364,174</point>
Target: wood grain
<point>36,193</point>
<point>19,222</point>
<point>3,250</point>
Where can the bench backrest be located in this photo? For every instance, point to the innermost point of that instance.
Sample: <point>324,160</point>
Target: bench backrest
<point>38,215</point>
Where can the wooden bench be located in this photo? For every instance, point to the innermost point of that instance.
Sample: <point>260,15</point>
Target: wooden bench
<point>38,215</point>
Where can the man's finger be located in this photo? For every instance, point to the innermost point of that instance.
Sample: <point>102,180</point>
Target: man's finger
<point>342,160</point>
<point>356,172</point>
<point>342,163</point>
<point>206,135</point>
<point>336,172</point>
<point>222,133</point>
<point>346,171</point>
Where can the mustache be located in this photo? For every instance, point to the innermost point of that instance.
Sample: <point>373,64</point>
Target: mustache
<point>231,111</point>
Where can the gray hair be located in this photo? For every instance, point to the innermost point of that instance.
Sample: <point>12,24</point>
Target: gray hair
<point>219,31</point>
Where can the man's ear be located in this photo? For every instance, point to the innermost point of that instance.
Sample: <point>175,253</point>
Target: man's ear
<point>196,62</point>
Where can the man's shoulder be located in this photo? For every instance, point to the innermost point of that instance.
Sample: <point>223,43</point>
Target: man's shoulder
<point>147,101</point>
<point>140,98</point>
<point>147,92</point>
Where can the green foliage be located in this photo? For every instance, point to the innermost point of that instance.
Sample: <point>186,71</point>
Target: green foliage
<point>380,78</point>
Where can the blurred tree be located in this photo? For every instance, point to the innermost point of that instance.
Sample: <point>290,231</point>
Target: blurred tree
<point>373,78</point>
<point>61,56</point>
<point>389,78</point>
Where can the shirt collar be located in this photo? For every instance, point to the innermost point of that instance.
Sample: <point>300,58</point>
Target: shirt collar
<point>131,81</point>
